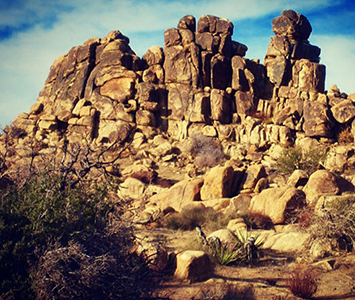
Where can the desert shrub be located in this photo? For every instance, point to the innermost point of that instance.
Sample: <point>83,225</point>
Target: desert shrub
<point>337,221</point>
<point>226,292</point>
<point>93,266</point>
<point>206,150</point>
<point>189,218</point>
<point>303,282</point>
<point>58,242</point>
<point>258,221</point>
<point>294,158</point>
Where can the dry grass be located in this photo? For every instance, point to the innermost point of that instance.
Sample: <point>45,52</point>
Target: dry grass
<point>225,292</point>
<point>303,282</point>
<point>207,151</point>
<point>258,221</point>
<point>345,136</point>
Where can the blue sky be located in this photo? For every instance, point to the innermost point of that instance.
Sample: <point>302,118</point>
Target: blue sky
<point>33,33</point>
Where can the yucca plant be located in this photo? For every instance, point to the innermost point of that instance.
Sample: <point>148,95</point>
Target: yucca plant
<point>243,236</point>
<point>226,254</point>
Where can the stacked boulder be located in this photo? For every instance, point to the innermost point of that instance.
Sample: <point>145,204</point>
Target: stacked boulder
<point>293,68</point>
<point>199,82</point>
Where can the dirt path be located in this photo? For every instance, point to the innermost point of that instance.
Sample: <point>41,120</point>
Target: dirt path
<point>266,280</point>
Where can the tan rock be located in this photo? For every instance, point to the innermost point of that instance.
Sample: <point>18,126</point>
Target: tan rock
<point>220,106</point>
<point>344,111</point>
<point>209,131</point>
<point>193,266</point>
<point>179,195</point>
<point>217,183</point>
<point>278,203</point>
<point>132,188</point>
<point>112,131</point>
<point>154,55</point>
<point>252,175</point>
<point>226,236</point>
<point>286,241</point>
<point>298,178</point>
<point>145,118</point>
<point>321,182</point>
<point>119,89</point>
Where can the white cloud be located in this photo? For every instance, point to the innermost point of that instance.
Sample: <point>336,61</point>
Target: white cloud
<point>26,57</point>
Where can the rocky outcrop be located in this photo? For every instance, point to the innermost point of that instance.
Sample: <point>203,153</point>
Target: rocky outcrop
<point>102,92</point>
<point>193,266</point>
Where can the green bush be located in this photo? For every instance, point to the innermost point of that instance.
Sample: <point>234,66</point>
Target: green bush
<point>294,158</point>
<point>62,243</point>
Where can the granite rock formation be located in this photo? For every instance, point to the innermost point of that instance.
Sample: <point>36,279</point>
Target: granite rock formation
<point>101,92</point>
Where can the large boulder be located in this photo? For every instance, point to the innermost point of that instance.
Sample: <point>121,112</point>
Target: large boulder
<point>218,183</point>
<point>318,121</point>
<point>344,111</point>
<point>280,204</point>
<point>292,25</point>
<point>179,195</point>
<point>193,266</point>
<point>321,182</point>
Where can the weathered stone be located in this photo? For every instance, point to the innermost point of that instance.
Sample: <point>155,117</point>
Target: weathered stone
<point>112,131</point>
<point>145,118</point>
<point>218,183</point>
<point>276,70</point>
<point>188,22</point>
<point>179,97</point>
<point>140,172</point>
<point>201,108</point>
<point>206,68</point>
<point>193,266</point>
<point>220,106</point>
<point>321,182</point>
<point>344,111</point>
<point>132,188</point>
<point>337,159</point>
<point>292,25</point>
<point>207,23</point>
<point>187,37</point>
<point>317,119</point>
<point>239,48</point>
<point>239,80</point>
<point>286,242</point>
<point>308,76</point>
<point>209,131</point>
<point>119,89</point>
<point>207,41</point>
<point>244,103</point>
<point>279,204</point>
<point>154,56</point>
<point>179,195</point>
<point>172,37</point>
<point>239,204</point>
<point>298,178</point>
<point>226,236</point>
<point>252,175</point>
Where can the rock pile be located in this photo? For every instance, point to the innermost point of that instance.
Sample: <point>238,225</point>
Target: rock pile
<point>200,82</point>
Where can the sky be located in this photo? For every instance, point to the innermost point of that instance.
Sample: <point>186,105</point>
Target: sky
<point>33,33</point>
